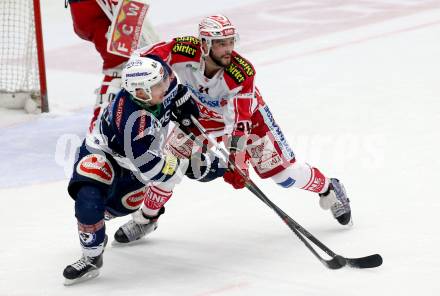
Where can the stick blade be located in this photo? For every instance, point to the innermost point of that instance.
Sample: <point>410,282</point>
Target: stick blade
<point>371,261</point>
<point>336,262</point>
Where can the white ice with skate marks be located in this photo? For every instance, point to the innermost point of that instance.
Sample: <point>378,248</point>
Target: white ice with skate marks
<point>361,103</point>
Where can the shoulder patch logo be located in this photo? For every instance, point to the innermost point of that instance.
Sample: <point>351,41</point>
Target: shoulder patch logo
<point>187,50</point>
<point>190,39</point>
<point>245,65</point>
<point>96,167</point>
<point>235,73</point>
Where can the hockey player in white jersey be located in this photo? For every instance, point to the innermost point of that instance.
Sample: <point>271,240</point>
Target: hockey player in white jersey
<point>232,108</point>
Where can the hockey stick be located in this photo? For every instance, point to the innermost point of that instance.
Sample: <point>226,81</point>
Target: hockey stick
<point>336,260</point>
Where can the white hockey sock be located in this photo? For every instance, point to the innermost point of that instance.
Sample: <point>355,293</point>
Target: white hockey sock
<point>303,176</point>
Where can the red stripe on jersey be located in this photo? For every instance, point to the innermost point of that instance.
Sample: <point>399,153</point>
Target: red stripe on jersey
<point>161,49</point>
<point>211,125</point>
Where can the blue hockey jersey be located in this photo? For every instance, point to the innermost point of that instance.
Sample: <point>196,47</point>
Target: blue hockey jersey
<point>135,135</point>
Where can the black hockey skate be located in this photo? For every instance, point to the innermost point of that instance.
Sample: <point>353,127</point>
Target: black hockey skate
<point>335,199</point>
<point>84,269</point>
<point>133,231</point>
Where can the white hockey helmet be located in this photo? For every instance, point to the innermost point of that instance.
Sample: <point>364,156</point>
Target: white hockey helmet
<point>142,73</point>
<point>216,27</point>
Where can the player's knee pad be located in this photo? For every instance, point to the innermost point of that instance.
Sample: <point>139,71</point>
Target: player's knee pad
<point>93,168</point>
<point>89,205</point>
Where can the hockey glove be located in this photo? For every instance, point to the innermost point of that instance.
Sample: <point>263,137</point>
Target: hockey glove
<point>232,175</point>
<point>184,106</point>
<point>205,168</point>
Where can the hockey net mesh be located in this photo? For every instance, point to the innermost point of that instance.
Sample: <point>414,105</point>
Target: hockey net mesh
<point>18,50</point>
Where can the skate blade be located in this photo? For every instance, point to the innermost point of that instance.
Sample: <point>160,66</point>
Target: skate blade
<point>88,276</point>
<point>350,224</point>
<point>117,244</point>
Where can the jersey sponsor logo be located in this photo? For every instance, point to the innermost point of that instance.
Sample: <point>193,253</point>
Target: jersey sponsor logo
<point>156,198</point>
<point>205,99</point>
<point>133,200</point>
<point>179,144</point>
<point>245,65</point>
<point>190,39</point>
<point>212,104</point>
<point>270,163</point>
<point>277,133</point>
<point>235,73</point>
<point>264,154</point>
<point>119,111</point>
<point>184,49</point>
<point>96,167</point>
<point>142,123</point>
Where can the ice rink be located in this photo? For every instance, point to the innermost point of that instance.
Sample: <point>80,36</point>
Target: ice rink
<point>355,86</point>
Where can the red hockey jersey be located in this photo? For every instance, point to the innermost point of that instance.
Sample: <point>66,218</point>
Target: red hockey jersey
<point>227,100</point>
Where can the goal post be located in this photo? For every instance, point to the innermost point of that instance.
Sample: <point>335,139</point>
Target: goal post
<point>40,53</point>
<point>22,65</point>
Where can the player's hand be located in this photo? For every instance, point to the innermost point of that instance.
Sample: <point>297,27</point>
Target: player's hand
<point>183,107</point>
<point>232,175</point>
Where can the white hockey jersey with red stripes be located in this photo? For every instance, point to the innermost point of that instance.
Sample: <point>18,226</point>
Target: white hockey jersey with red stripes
<point>227,100</point>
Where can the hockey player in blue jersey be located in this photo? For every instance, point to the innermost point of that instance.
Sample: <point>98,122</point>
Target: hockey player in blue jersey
<point>122,164</point>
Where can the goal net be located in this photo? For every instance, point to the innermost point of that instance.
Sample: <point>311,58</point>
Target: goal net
<point>22,70</point>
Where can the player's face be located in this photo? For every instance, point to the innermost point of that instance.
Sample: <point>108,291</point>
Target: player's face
<point>158,92</point>
<point>221,51</point>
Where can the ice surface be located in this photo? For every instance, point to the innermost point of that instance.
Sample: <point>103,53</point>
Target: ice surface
<point>354,86</point>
